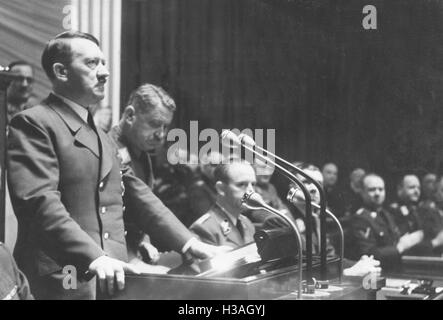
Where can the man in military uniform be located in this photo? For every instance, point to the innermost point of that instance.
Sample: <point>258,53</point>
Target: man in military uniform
<point>224,224</point>
<point>431,212</point>
<point>373,230</point>
<point>142,128</point>
<point>408,215</point>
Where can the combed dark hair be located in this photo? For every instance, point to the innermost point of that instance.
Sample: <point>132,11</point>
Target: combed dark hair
<point>147,97</point>
<point>19,63</point>
<point>221,172</point>
<point>59,50</point>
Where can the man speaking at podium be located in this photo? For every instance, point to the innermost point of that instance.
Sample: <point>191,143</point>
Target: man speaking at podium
<point>66,184</point>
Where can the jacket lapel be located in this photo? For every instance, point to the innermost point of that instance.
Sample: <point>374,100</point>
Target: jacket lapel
<point>82,133</point>
<point>233,235</point>
<point>108,154</point>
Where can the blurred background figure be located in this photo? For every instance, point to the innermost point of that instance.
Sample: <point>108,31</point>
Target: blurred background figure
<point>353,198</point>
<point>202,192</point>
<point>268,192</point>
<point>103,117</point>
<point>299,210</point>
<point>334,196</point>
<point>428,185</point>
<point>173,181</point>
<point>19,91</point>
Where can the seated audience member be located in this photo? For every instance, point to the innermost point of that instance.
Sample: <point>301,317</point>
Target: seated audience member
<point>431,213</point>
<point>408,216</point>
<point>428,186</point>
<point>268,192</point>
<point>299,215</point>
<point>353,199</point>
<point>373,230</point>
<point>334,196</point>
<point>202,193</point>
<point>224,224</point>
<point>13,283</point>
<point>20,89</point>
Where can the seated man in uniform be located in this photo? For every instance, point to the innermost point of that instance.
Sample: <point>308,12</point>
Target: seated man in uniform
<point>299,211</point>
<point>410,217</point>
<point>373,230</point>
<point>224,223</point>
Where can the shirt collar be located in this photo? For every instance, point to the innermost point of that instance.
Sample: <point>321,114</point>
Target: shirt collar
<point>78,109</point>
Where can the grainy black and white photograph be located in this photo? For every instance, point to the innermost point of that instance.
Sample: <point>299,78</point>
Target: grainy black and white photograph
<point>238,151</point>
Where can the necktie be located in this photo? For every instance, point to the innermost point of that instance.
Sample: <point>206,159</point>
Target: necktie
<point>91,122</point>
<point>240,228</point>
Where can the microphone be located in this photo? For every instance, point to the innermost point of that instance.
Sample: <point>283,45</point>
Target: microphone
<point>254,201</point>
<point>227,136</point>
<point>245,139</point>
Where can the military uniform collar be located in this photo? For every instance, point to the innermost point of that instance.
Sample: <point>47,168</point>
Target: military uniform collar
<point>228,215</point>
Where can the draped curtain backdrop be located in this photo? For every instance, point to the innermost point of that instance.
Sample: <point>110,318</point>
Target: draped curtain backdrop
<point>332,90</point>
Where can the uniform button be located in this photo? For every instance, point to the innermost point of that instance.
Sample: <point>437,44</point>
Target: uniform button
<point>124,208</point>
<point>101,185</point>
<point>103,210</point>
<point>126,232</point>
<point>106,236</point>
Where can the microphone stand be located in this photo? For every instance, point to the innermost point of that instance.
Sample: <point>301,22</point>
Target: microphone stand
<point>308,223</point>
<point>291,197</point>
<point>249,197</point>
<point>323,260</point>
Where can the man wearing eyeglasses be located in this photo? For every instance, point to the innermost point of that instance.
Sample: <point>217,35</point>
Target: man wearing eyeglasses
<point>20,89</point>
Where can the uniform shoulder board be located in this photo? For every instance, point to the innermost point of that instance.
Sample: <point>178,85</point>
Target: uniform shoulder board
<point>124,156</point>
<point>360,211</point>
<point>203,218</point>
<point>394,205</point>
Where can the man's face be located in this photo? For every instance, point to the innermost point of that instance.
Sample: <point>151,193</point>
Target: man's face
<point>241,180</point>
<point>312,189</point>
<point>429,184</point>
<point>20,89</point>
<point>86,73</point>
<point>330,173</point>
<point>373,192</point>
<point>409,191</point>
<point>355,179</point>
<point>148,129</point>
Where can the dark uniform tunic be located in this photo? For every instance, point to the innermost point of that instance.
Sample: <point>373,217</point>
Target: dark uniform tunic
<point>374,233</point>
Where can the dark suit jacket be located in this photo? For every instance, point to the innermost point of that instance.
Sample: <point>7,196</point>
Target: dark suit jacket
<point>66,190</point>
<point>163,228</point>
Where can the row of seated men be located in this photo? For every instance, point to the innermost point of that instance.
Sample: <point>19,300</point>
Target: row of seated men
<point>404,227</point>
